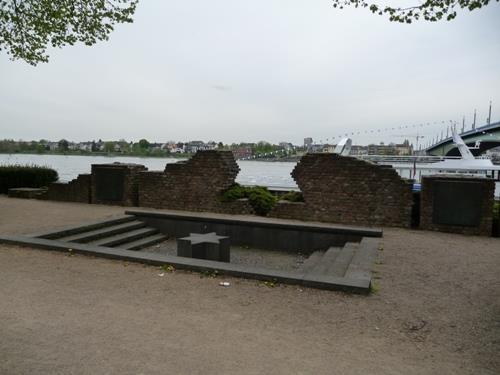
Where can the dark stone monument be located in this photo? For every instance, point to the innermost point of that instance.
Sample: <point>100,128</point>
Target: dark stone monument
<point>208,246</point>
<point>457,204</point>
<point>109,183</point>
<point>115,183</point>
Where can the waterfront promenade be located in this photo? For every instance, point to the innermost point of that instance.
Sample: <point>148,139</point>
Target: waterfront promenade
<point>436,310</point>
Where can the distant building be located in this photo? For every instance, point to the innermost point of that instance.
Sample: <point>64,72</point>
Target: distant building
<point>402,149</point>
<point>381,149</point>
<point>328,148</point>
<point>286,146</point>
<point>85,146</point>
<point>358,150</point>
<point>315,148</point>
<point>53,146</point>
<point>194,146</point>
<point>243,152</point>
<point>211,145</point>
<point>308,142</point>
<point>73,146</point>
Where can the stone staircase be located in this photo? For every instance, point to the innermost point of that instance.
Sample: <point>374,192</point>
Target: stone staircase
<point>124,232</point>
<point>353,261</point>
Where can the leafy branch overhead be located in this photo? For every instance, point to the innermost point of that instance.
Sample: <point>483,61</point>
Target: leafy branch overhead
<point>429,10</point>
<point>29,27</point>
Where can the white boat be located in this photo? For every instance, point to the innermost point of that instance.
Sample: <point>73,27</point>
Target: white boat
<point>415,167</point>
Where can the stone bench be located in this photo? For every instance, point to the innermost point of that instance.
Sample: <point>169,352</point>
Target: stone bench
<point>26,193</point>
<point>208,246</point>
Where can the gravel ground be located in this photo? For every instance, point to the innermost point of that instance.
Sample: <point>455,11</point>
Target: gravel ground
<point>276,260</point>
<point>436,311</point>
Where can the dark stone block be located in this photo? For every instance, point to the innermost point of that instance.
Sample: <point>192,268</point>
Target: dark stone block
<point>109,183</point>
<point>116,183</point>
<point>208,246</point>
<point>457,203</point>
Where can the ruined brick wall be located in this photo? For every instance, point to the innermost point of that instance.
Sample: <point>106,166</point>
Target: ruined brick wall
<point>290,210</point>
<point>116,184</point>
<point>457,204</point>
<point>347,190</point>
<point>77,190</point>
<point>238,207</point>
<point>193,185</point>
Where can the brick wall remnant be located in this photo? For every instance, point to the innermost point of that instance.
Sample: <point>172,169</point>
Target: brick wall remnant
<point>457,204</point>
<point>289,210</point>
<point>77,190</point>
<point>116,183</point>
<point>192,185</point>
<point>346,190</point>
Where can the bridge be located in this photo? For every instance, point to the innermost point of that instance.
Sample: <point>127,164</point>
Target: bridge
<point>488,136</point>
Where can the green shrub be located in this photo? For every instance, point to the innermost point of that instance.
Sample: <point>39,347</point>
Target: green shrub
<point>293,196</point>
<point>234,193</point>
<point>260,198</point>
<point>34,176</point>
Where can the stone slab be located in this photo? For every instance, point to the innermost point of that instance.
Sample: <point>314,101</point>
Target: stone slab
<point>207,246</point>
<point>26,193</point>
<point>457,203</point>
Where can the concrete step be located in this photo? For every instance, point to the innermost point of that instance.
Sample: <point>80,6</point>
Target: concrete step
<point>86,227</point>
<point>144,242</point>
<point>123,238</point>
<point>312,261</point>
<point>363,260</point>
<point>104,232</point>
<point>326,261</point>
<point>339,266</point>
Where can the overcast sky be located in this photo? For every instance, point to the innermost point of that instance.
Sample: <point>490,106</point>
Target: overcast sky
<point>271,70</point>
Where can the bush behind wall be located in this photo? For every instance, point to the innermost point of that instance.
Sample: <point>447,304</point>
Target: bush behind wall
<point>260,198</point>
<point>34,176</point>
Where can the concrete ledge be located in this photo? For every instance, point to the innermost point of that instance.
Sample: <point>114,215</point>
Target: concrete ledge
<point>26,193</point>
<point>258,222</point>
<point>361,286</point>
<point>83,227</point>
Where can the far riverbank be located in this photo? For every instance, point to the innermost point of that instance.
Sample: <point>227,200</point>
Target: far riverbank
<point>252,172</point>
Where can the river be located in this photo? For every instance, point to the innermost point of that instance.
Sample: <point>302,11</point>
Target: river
<point>70,166</point>
<point>272,174</point>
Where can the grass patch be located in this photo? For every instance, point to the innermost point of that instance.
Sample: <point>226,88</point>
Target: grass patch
<point>375,286</point>
<point>167,268</point>
<point>271,283</point>
<point>210,274</point>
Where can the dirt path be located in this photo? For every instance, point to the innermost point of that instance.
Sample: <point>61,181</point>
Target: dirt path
<point>437,311</point>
